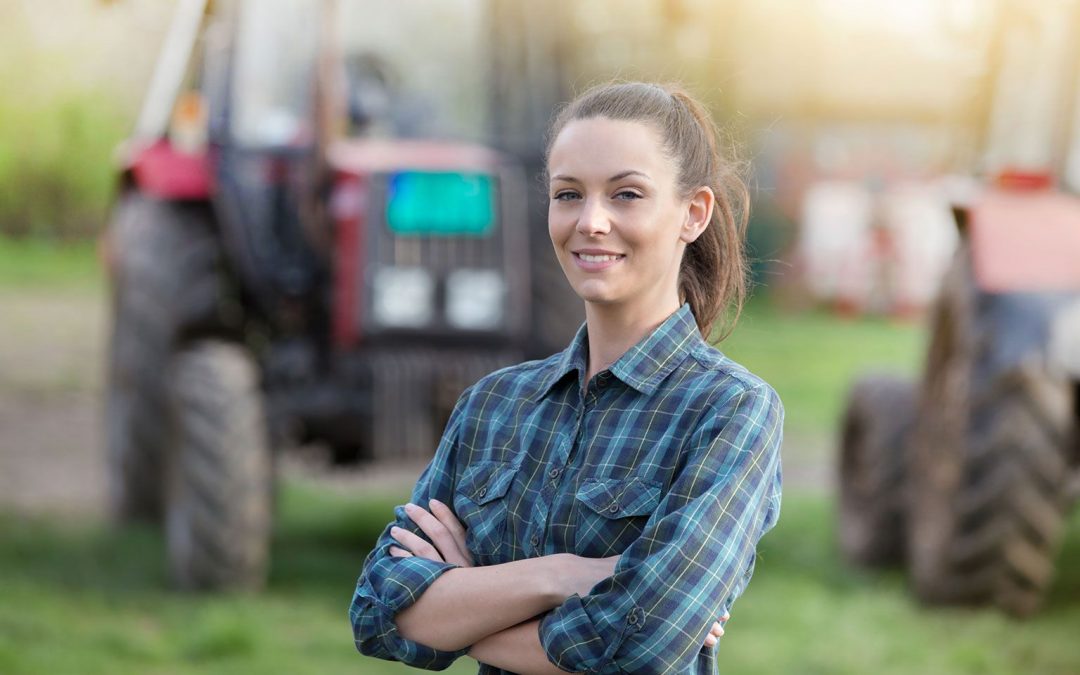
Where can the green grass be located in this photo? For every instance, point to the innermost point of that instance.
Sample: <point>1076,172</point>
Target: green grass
<point>84,599</point>
<point>40,264</point>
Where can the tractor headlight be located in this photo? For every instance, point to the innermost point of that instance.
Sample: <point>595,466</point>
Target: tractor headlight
<point>475,299</point>
<point>403,297</point>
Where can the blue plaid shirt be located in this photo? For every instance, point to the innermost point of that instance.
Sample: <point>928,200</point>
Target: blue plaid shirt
<point>671,457</point>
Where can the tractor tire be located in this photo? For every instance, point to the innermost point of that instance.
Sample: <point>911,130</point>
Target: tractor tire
<point>989,467</point>
<point>166,278</point>
<point>1019,492</point>
<point>219,497</point>
<point>873,469</point>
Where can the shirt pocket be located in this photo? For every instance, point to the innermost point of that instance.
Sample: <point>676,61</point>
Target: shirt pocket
<point>480,503</point>
<point>612,513</point>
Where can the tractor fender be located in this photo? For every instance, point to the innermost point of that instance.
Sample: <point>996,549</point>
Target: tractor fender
<point>158,169</point>
<point>1025,241</point>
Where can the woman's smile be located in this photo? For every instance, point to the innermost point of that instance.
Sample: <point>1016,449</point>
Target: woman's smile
<point>596,260</point>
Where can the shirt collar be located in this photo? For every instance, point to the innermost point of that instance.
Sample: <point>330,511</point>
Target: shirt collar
<point>645,365</point>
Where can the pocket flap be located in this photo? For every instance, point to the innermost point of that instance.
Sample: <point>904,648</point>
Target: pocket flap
<point>615,498</point>
<point>486,481</point>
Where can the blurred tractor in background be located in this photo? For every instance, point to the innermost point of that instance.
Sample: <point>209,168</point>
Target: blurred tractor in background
<point>969,475</point>
<point>278,273</point>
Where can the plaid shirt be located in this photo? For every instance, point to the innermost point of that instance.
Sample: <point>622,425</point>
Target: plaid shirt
<point>671,457</point>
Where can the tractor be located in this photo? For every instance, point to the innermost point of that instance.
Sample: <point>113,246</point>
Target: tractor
<point>968,475</point>
<point>283,271</point>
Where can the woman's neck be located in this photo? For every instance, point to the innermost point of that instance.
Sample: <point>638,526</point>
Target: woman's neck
<point>614,329</point>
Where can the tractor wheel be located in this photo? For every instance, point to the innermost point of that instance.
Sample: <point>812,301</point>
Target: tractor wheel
<point>1017,493</point>
<point>989,467</point>
<point>219,495</point>
<point>166,279</point>
<point>873,469</point>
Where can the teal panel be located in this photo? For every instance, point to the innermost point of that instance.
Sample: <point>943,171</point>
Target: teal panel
<point>441,204</point>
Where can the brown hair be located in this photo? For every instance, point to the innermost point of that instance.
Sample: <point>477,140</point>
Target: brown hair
<point>712,276</point>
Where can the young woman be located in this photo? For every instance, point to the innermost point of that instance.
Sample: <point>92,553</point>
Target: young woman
<point>599,510</point>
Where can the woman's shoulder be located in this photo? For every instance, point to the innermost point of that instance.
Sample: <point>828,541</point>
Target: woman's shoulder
<point>727,378</point>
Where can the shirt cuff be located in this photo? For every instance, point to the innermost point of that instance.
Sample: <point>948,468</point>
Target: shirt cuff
<point>390,586</point>
<point>572,641</point>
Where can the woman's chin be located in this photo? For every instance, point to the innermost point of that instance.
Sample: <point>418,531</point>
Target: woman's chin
<point>596,293</point>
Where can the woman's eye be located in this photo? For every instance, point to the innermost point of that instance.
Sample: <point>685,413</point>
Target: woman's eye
<point>627,195</point>
<point>565,196</point>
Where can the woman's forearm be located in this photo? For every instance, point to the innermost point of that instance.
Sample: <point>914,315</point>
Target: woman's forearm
<point>467,604</point>
<point>516,649</point>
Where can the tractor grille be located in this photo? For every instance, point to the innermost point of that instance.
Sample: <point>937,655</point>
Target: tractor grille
<point>441,254</point>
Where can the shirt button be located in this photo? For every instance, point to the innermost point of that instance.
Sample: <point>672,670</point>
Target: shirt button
<point>482,492</point>
<point>614,508</point>
<point>535,540</point>
<point>554,473</point>
<point>632,619</point>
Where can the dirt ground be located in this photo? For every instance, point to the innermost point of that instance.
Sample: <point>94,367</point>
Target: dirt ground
<point>52,453</point>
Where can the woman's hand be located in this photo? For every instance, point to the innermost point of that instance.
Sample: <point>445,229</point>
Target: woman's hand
<point>717,631</point>
<point>442,527</point>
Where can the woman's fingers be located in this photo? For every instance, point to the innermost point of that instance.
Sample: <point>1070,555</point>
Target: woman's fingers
<point>415,544</point>
<point>438,533</point>
<point>399,552</point>
<point>453,525</point>
<point>714,634</point>
<point>727,615</point>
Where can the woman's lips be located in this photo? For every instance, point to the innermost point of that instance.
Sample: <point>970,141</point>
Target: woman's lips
<point>594,262</point>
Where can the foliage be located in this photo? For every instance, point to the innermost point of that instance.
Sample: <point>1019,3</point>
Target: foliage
<point>58,129</point>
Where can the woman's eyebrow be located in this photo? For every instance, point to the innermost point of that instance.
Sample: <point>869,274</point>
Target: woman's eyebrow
<point>618,176</point>
<point>626,174</point>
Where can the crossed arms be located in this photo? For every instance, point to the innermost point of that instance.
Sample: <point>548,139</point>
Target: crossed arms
<point>493,609</point>
<point>649,610</point>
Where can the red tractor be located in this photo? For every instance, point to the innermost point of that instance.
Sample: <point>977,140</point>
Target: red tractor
<point>969,474</point>
<point>279,271</point>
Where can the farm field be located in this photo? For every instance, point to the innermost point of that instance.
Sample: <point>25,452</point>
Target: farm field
<point>81,597</point>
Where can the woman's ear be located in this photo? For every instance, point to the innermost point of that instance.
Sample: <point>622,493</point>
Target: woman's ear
<point>698,214</point>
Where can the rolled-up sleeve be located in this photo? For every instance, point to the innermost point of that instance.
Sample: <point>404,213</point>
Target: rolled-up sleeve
<point>694,557</point>
<point>388,585</point>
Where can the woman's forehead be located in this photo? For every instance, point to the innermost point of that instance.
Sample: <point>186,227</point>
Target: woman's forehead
<point>601,148</point>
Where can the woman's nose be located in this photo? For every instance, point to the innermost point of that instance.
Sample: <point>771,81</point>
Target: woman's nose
<point>593,219</point>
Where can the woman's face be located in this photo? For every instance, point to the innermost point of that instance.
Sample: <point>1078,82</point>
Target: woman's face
<point>616,219</point>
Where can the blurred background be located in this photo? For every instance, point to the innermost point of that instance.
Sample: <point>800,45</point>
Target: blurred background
<point>216,232</point>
